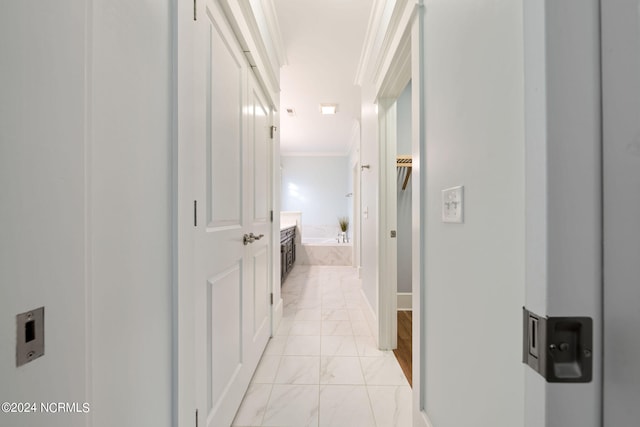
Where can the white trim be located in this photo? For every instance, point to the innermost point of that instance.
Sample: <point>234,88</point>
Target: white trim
<point>271,16</point>
<point>405,301</point>
<point>401,17</point>
<point>394,62</point>
<point>425,420</point>
<point>370,316</point>
<point>243,22</point>
<point>276,197</point>
<point>404,48</point>
<point>387,221</point>
<point>370,37</point>
<point>399,71</point>
<point>277,314</point>
<point>184,117</point>
<point>418,217</point>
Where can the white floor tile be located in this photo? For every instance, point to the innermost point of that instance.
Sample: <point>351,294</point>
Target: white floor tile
<point>335,314</point>
<point>302,345</point>
<point>340,370</point>
<point>391,405</point>
<point>266,370</point>
<point>361,329</point>
<point>253,406</point>
<point>292,405</point>
<point>305,327</point>
<point>309,303</point>
<point>345,406</point>
<point>382,371</point>
<point>337,345</point>
<point>336,327</point>
<point>276,345</point>
<point>298,370</point>
<point>309,314</point>
<point>356,315</point>
<point>285,326</point>
<point>367,347</point>
<point>323,367</point>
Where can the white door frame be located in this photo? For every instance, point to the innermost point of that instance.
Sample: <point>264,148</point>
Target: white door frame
<point>401,60</point>
<point>563,164</point>
<point>388,213</point>
<point>355,238</point>
<point>183,299</point>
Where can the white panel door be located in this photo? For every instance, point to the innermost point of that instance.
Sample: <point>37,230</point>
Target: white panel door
<point>258,217</point>
<point>621,183</point>
<point>232,283</point>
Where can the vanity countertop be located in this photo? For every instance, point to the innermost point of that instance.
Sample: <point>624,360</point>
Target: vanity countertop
<point>284,226</point>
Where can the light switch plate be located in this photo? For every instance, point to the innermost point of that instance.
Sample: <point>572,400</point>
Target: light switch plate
<point>453,204</point>
<point>29,336</point>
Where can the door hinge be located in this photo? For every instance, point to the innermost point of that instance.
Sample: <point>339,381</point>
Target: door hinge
<point>271,215</point>
<point>195,10</point>
<point>195,213</point>
<point>271,298</point>
<point>196,418</point>
<point>273,131</point>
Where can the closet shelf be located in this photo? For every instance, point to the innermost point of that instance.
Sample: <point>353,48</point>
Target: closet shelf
<point>404,167</point>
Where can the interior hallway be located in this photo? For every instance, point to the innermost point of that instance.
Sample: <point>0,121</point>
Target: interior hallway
<point>322,367</point>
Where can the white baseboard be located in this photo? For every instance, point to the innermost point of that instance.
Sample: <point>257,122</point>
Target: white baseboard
<point>370,316</point>
<point>278,312</point>
<point>405,301</point>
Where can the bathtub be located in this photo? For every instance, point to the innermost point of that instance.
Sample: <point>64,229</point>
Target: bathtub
<point>323,241</point>
<point>324,251</point>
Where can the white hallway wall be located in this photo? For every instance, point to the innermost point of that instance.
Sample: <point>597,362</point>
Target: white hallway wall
<point>369,177</point>
<point>86,207</point>
<point>474,271</point>
<point>316,186</point>
<point>131,187</point>
<point>473,55</point>
<point>42,203</point>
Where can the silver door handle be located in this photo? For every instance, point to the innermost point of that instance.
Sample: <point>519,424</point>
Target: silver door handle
<point>250,238</point>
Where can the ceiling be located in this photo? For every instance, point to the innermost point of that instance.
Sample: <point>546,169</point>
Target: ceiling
<point>322,40</point>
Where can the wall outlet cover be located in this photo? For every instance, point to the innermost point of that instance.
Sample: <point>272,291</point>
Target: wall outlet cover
<point>453,204</point>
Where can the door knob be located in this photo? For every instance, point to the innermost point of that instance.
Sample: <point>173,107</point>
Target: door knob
<point>250,238</point>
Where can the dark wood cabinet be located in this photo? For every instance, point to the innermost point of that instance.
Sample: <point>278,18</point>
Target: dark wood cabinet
<point>287,251</point>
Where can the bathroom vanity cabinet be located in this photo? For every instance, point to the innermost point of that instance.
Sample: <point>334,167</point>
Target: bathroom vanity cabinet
<point>287,251</point>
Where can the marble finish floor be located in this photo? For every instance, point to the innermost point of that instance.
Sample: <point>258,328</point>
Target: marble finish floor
<point>322,367</point>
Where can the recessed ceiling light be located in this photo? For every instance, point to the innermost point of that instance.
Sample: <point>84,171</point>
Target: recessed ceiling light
<point>291,112</point>
<point>328,109</point>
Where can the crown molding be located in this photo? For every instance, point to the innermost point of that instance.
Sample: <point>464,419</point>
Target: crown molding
<point>373,28</point>
<point>396,44</point>
<point>271,16</point>
<point>243,21</point>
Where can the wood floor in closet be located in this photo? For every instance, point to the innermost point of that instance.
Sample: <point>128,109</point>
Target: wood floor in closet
<point>403,352</point>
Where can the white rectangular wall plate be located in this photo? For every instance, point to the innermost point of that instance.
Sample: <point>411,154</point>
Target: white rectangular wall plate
<point>453,204</point>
